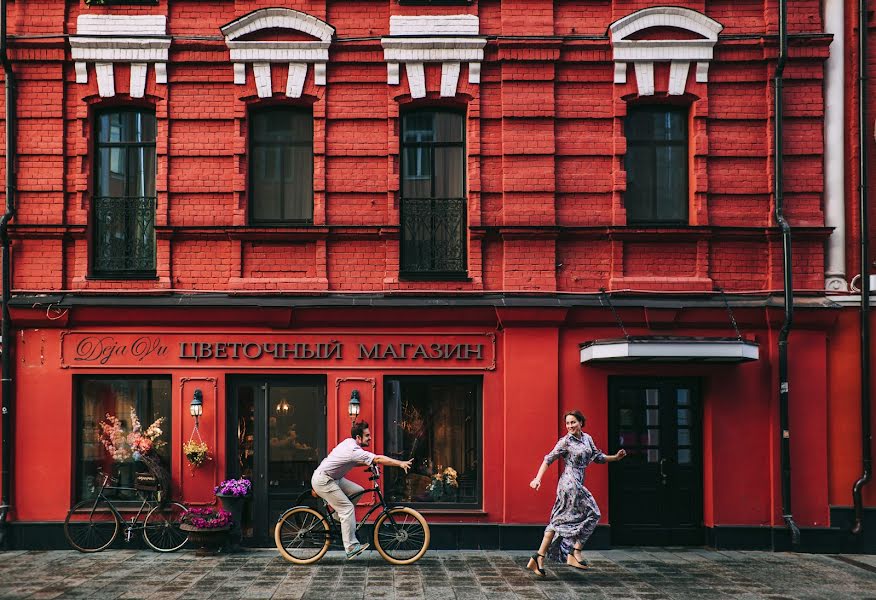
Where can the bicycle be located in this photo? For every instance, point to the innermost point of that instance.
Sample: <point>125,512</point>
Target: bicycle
<point>401,534</point>
<point>93,525</point>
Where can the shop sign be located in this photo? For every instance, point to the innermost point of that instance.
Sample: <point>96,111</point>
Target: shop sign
<point>309,351</point>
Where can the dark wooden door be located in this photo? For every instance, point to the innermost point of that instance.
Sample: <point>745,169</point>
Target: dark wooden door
<point>656,493</point>
<point>276,438</point>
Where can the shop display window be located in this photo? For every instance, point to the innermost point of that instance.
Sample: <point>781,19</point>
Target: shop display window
<point>436,422</point>
<point>116,396</point>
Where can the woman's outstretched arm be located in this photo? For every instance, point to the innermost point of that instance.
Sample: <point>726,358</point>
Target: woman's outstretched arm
<point>536,483</point>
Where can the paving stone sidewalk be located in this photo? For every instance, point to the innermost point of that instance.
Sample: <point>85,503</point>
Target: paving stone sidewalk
<point>441,575</point>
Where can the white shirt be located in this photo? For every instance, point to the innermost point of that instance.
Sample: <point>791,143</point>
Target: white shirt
<point>344,457</point>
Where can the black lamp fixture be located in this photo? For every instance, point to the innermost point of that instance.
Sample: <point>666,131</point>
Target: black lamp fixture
<point>196,408</point>
<point>354,406</point>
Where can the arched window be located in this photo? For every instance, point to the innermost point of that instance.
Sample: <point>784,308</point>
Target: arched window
<point>281,166</point>
<point>657,165</point>
<point>124,194</point>
<point>433,213</point>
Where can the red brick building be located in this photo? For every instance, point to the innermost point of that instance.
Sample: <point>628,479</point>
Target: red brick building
<point>279,203</point>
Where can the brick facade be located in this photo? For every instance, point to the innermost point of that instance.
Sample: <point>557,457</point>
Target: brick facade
<point>545,151</point>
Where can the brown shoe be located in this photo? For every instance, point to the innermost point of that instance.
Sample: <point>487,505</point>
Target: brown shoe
<point>533,565</point>
<point>574,562</point>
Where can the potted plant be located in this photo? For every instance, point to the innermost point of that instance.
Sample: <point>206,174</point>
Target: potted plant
<point>207,528</point>
<point>196,453</point>
<point>233,493</point>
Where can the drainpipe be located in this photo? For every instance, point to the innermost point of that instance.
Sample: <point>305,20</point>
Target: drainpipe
<point>863,143</point>
<point>6,414</point>
<point>788,284</point>
<point>834,148</point>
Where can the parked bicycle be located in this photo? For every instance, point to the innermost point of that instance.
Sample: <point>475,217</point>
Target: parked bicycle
<point>401,535</point>
<point>93,525</point>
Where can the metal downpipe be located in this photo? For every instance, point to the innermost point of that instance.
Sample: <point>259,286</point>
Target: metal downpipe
<point>863,143</point>
<point>6,410</point>
<point>785,440</point>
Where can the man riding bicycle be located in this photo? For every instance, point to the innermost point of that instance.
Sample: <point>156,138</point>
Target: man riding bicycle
<point>329,483</point>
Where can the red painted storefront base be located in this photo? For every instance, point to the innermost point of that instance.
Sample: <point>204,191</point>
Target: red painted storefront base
<point>526,358</point>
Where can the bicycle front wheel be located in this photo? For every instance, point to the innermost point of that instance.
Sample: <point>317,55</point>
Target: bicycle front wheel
<point>91,526</point>
<point>161,528</point>
<point>302,535</point>
<point>403,539</point>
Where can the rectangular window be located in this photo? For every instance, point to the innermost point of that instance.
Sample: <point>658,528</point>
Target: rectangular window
<point>436,422</point>
<point>124,194</point>
<point>656,165</point>
<point>433,207</point>
<point>116,396</point>
<point>281,166</point>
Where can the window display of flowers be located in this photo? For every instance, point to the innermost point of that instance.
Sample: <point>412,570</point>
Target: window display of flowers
<point>113,438</point>
<point>207,518</point>
<point>233,487</point>
<point>444,485</point>
<point>142,442</point>
<point>196,452</point>
<point>137,443</point>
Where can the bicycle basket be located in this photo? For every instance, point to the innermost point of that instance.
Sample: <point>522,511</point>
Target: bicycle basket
<point>146,482</point>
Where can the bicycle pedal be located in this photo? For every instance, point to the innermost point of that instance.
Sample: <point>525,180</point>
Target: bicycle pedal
<point>128,534</point>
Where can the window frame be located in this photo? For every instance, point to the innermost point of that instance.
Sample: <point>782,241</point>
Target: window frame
<point>477,382</point>
<point>96,272</point>
<point>251,146</point>
<point>655,145</point>
<point>78,463</point>
<point>434,274</point>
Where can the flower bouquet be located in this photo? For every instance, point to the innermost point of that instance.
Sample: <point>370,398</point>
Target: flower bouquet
<point>444,485</point>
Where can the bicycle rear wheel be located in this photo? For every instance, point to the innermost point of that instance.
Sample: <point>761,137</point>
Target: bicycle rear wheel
<point>161,528</point>
<point>91,526</point>
<point>302,535</point>
<point>404,542</point>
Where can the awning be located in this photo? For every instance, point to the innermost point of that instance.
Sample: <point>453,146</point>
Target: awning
<point>670,349</point>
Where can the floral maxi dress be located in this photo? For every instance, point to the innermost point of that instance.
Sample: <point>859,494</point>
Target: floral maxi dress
<point>575,513</point>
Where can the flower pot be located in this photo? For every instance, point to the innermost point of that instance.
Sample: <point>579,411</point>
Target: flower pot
<point>234,505</point>
<point>208,540</point>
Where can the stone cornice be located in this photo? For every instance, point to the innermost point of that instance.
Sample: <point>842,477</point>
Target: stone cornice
<point>107,39</point>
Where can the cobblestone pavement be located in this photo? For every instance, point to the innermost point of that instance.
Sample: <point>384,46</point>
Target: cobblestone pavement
<point>441,575</point>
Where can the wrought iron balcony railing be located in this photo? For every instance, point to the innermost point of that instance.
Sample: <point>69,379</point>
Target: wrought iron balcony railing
<point>433,240</point>
<point>124,236</point>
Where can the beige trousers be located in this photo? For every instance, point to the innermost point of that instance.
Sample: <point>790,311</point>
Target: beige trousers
<point>337,494</point>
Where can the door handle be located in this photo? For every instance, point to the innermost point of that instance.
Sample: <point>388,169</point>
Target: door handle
<point>663,475</point>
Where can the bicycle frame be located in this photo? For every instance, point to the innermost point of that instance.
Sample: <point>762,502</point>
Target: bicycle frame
<point>130,526</point>
<point>382,505</point>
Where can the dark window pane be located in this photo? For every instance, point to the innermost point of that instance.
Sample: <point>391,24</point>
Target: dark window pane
<point>298,184</point>
<point>418,127</point>
<point>656,165</point>
<point>449,175</point>
<point>449,127</point>
<point>281,166</point>
<point>417,180</point>
<point>434,421</point>
<point>150,399</point>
